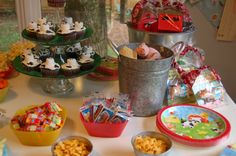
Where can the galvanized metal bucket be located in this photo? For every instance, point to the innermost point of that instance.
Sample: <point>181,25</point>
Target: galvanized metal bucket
<point>144,81</point>
<point>164,39</point>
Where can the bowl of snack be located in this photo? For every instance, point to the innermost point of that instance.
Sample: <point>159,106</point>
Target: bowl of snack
<point>150,143</point>
<point>39,125</point>
<point>6,69</point>
<point>4,86</point>
<point>105,117</point>
<point>72,146</point>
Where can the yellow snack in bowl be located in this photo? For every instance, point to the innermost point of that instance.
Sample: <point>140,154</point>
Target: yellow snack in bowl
<point>150,145</point>
<point>72,147</point>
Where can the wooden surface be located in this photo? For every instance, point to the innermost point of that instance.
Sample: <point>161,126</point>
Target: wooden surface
<point>227,30</point>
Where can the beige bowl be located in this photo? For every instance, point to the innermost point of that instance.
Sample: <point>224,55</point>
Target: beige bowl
<point>79,138</point>
<point>156,135</point>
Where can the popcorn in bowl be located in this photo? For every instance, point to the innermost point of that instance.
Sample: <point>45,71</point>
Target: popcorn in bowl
<point>151,143</point>
<point>72,146</point>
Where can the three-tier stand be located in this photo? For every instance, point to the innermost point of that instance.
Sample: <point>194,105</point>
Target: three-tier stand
<point>59,85</point>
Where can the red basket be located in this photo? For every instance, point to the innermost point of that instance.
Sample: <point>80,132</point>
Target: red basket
<point>108,130</point>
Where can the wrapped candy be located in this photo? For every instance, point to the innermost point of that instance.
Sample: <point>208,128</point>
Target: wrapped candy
<point>37,119</point>
<point>99,108</point>
<point>147,53</point>
<point>52,107</point>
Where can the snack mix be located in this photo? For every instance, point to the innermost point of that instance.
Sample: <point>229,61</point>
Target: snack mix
<point>71,147</point>
<point>150,145</point>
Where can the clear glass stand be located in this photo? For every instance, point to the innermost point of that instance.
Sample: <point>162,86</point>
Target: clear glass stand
<point>57,86</point>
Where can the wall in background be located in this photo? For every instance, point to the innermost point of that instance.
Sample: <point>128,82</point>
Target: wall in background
<point>220,55</point>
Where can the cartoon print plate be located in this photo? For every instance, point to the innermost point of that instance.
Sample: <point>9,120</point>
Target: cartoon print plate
<point>193,125</point>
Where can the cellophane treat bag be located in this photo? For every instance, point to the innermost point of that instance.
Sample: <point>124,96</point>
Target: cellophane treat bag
<point>191,81</point>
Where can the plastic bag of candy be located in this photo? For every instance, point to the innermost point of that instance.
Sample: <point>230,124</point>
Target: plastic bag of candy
<point>177,90</point>
<point>191,81</point>
<point>100,108</point>
<point>187,58</point>
<point>207,87</point>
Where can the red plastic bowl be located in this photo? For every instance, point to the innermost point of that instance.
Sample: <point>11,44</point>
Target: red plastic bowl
<point>107,130</point>
<point>7,73</point>
<point>167,123</point>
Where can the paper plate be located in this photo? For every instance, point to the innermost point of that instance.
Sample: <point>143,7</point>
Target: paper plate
<point>193,125</point>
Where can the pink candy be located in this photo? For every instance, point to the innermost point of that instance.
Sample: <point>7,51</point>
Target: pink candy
<point>147,53</point>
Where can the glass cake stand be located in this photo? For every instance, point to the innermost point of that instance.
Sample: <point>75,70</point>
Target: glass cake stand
<point>57,86</point>
<point>60,84</point>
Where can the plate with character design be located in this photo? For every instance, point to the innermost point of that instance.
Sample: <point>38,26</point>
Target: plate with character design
<point>193,125</point>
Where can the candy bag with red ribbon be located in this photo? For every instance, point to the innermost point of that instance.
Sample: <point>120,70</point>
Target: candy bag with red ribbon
<point>187,58</point>
<point>206,85</point>
<point>177,90</point>
<point>203,80</point>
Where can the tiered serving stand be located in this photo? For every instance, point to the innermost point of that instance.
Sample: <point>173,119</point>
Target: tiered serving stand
<point>59,85</point>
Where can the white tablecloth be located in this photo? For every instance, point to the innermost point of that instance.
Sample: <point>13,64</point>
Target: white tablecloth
<point>25,90</point>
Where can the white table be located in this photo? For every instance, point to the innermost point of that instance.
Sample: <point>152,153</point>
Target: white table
<point>25,90</point>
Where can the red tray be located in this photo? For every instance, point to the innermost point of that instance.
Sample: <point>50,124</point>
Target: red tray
<point>102,77</point>
<point>108,66</point>
<point>193,125</point>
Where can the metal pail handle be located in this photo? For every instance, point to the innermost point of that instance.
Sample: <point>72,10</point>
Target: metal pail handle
<point>178,47</point>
